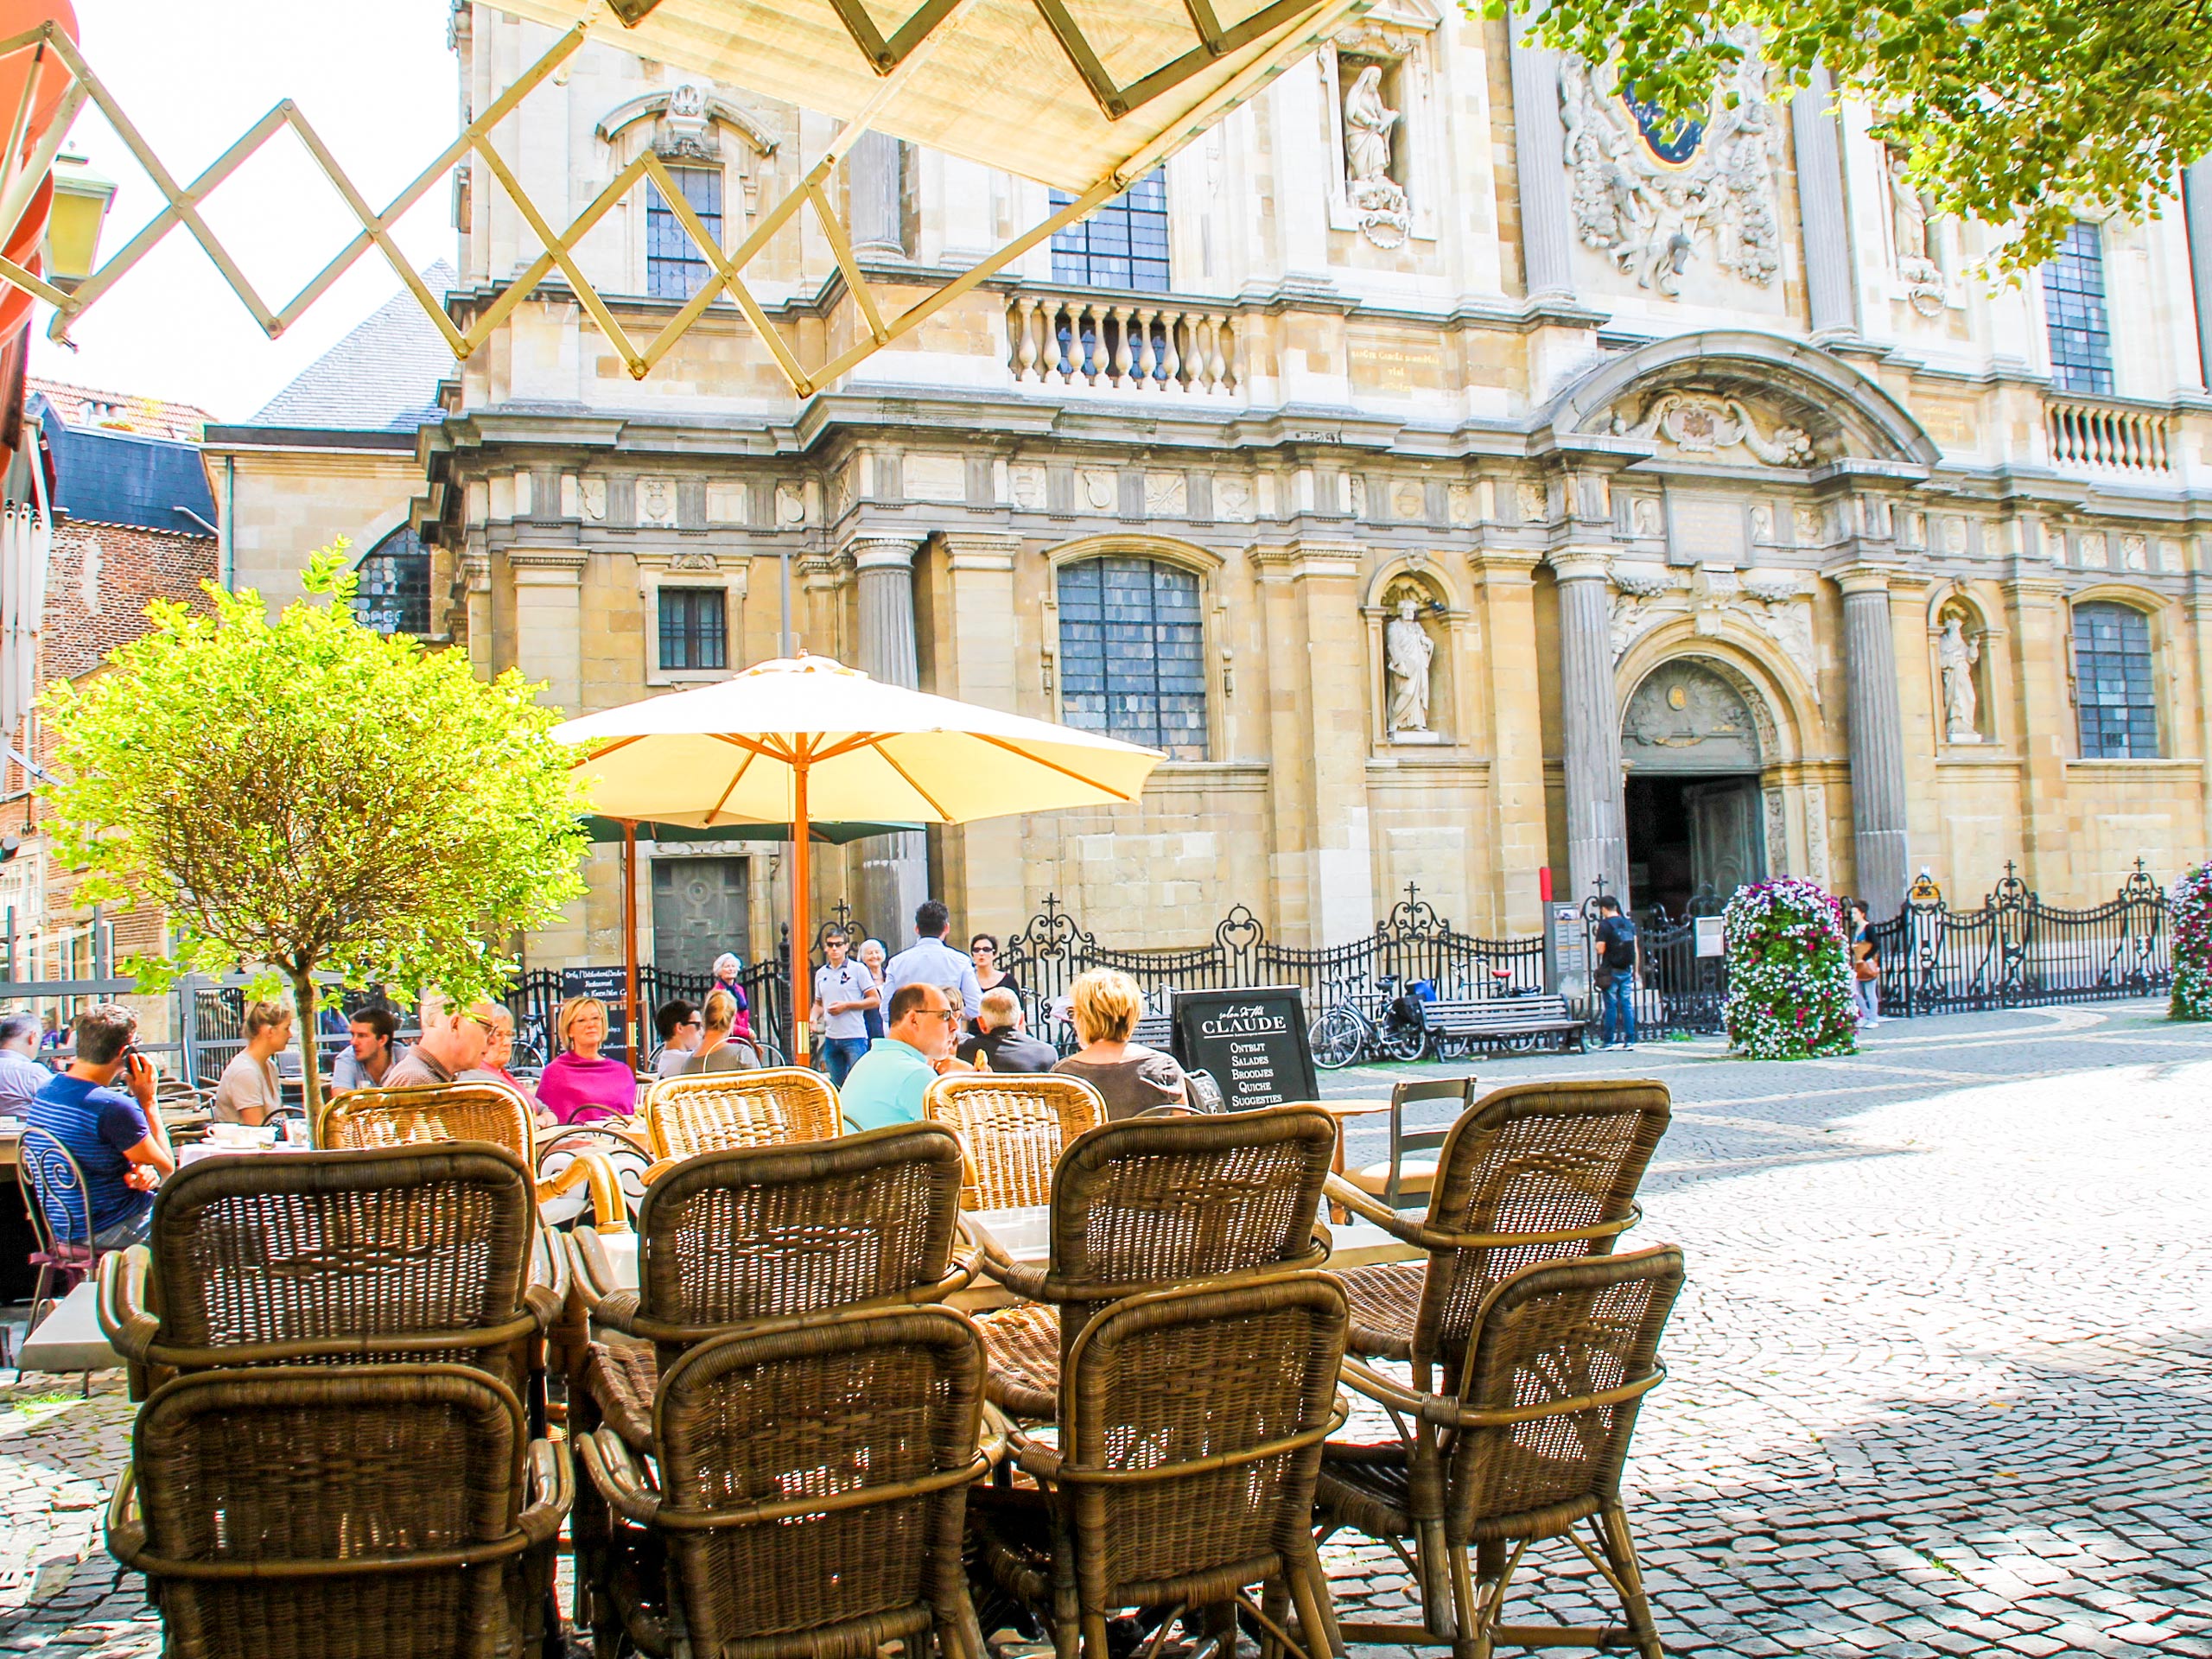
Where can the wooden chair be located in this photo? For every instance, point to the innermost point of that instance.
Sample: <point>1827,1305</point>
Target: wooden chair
<point>721,1112</point>
<point>1533,1171</point>
<point>1530,1448</point>
<point>1401,1179</point>
<point>362,1512</point>
<point>469,1111</point>
<point>419,1253</point>
<point>1146,1203</point>
<point>1013,1127</point>
<point>1191,1428</point>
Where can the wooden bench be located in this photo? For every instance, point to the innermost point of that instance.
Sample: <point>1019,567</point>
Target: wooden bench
<point>1517,1023</point>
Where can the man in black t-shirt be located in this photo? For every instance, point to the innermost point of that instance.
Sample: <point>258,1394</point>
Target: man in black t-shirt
<point>1616,973</point>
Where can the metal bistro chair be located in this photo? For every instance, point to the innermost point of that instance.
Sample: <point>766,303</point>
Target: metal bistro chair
<point>1146,1203</point>
<point>372,1512</point>
<point>1530,1446</point>
<point>59,1206</point>
<point>1400,1178</point>
<point>1531,1172</point>
<point>1013,1127</point>
<point>721,1112</point>
<point>1191,1429</point>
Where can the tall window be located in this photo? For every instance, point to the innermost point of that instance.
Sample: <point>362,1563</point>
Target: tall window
<point>2111,681</point>
<point>1133,654</point>
<point>694,628</point>
<point>394,593</point>
<point>2073,304</point>
<point>676,266</point>
<point>1123,245</point>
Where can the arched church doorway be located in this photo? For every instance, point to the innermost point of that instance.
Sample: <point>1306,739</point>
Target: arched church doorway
<point>1695,819</point>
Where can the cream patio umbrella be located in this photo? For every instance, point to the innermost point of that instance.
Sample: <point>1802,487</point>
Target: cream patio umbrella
<point>807,740</point>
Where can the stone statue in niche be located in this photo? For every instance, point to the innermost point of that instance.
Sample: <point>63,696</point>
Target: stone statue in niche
<point>1957,655</point>
<point>1378,200</point>
<point>1408,653</point>
<point>1921,276</point>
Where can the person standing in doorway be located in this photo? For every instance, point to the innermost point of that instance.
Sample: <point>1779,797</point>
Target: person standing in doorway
<point>930,961</point>
<point>843,993</point>
<point>1616,973</point>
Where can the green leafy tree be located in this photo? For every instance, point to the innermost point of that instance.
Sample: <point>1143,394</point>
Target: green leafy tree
<point>2015,113</point>
<point>309,797</point>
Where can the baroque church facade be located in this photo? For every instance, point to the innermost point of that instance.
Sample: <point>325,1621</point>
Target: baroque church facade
<point>1459,472</point>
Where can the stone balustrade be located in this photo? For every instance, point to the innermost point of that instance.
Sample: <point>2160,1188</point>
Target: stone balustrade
<point>1132,344</point>
<point>2108,437</point>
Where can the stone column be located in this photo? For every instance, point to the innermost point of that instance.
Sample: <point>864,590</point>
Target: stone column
<point>894,870</point>
<point>2196,209</point>
<point>1597,820</point>
<point>1876,730</point>
<point>1831,284</point>
<point>873,178</point>
<point>1540,159</point>
<point>2045,719</point>
<point>1506,600</point>
<point>986,659</point>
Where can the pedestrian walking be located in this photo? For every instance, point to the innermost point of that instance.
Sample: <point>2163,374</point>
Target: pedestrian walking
<point>1866,968</point>
<point>843,993</point>
<point>930,961</point>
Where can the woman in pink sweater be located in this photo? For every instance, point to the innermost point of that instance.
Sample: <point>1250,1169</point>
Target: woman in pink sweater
<point>582,1085</point>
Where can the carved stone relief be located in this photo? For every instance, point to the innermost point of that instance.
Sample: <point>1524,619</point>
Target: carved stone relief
<point>1816,833</point>
<point>591,497</point>
<point>2134,553</point>
<point>1356,495</point>
<point>1095,490</point>
<point>1530,496</point>
<point>1705,423</point>
<point>1805,523</point>
<point>1026,483</point>
<point>1408,657</point>
<point>1778,835</point>
<point>1378,201</point>
<point>1459,503</point>
<point>1685,717</point>
<point>1957,655</point>
<point>1167,495</point>
<point>790,506</point>
<point>1408,501</point>
<point>656,501</point>
<point>1645,518</point>
<point>1232,499</point>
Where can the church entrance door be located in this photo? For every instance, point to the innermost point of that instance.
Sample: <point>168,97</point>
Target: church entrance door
<point>1692,840</point>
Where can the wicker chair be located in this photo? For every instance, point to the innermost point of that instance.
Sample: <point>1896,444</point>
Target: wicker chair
<point>1191,1426</point>
<point>421,1253</point>
<point>1149,1202</point>
<point>721,1112</point>
<point>372,1512</point>
<point>469,1111</point>
<point>1015,1128</point>
<point>812,1488</point>
<point>1531,1446</point>
<point>1531,1172</point>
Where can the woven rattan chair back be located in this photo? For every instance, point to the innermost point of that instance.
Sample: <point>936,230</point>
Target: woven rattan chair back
<point>721,1112</point>
<point>1530,1157</point>
<point>408,1254</point>
<point>768,1232</point>
<point>407,1117</point>
<point>1014,1129</point>
<point>1191,1428</point>
<point>1555,1332</point>
<point>357,1514</point>
<point>878,1412</point>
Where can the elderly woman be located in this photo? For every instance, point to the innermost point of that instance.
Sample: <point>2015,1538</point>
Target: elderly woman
<point>722,1049</point>
<point>582,1085</point>
<point>1105,1005</point>
<point>498,1051</point>
<point>873,957</point>
<point>250,1090</point>
<point>726,969</point>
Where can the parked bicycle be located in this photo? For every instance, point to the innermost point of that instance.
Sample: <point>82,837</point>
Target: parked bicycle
<point>1368,1021</point>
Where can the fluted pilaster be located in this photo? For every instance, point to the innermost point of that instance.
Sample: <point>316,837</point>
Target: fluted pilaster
<point>1831,287</point>
<point>1876,734</point>
<point>894,872</point>
<point>1597,831</point>
<point>1540,155</point>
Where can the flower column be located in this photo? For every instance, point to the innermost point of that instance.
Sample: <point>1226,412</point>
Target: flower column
<point>1876,734</point>
<point>894,873</point>
<point>1597,835</point>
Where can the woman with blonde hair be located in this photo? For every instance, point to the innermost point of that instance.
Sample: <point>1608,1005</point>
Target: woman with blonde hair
<point>250,1091</point>
<point>721,1049</point>
<point>582,1085</point>
<point>1106,1005</point>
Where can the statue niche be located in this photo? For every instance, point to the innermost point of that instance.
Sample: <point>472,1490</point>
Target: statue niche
<point>1958,657</point>
<point>1411,703</point>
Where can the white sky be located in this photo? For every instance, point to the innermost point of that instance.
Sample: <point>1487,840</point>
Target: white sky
<point>375,80</point>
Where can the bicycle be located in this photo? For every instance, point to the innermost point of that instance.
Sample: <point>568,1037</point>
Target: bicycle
<point>1366,1021</point>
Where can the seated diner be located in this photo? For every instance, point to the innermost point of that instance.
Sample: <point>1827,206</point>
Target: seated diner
<point>582,1085</point>
<point>1105,1005</point>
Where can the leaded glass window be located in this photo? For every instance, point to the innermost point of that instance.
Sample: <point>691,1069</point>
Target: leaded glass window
<point>694,628</point>
<point>2074,305</point>
<point>676,266</point>
<point>2112,682</point>
<point>1122,245</point>
<point>393,594</point>
<point>1133,654</point>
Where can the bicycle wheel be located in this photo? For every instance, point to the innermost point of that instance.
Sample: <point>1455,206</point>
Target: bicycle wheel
<point>1336,1038</point>
<point>1402,1040</point>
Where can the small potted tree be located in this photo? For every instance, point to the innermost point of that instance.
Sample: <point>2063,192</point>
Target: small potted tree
<point>2192,898</point>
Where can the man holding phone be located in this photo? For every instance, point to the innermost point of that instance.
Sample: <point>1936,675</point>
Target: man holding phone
<point>114,1132</point>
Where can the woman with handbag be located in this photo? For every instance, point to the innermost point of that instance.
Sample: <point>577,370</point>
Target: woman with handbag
<point>1865,969</point>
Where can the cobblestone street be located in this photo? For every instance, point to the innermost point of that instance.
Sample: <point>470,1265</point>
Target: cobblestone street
<point>1941,1379</point>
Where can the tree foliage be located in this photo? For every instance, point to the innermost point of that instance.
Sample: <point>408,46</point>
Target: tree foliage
<point>307,796</point>
<point>2015,113</point>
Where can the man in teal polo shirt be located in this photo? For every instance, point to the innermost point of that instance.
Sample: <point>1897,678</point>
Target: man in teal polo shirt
<point>884,1085</point>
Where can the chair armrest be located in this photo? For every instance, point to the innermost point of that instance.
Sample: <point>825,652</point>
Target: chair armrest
<point>654,1172</point>
<point>1033,1458</point>
<point>618,1311</point>
<point>998,1432</point>
<point>614,1469</point>
<point>1363,1206</point>
<point>547,1293</point>
<point>123,1319</point>
<point>591,1168</point>
<point>552,1485</point>
<point>1000,1268</point>
<point>596,1278</point>
<point>126,1528</point>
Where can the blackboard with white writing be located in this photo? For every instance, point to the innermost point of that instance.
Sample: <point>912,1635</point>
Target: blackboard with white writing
<point>612,987</point>
<point>1252,1041</point>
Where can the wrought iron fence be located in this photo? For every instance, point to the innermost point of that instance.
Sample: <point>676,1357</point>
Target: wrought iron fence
<point>2016,952</point>
<point>1680,990</point>
<point>535,997</point>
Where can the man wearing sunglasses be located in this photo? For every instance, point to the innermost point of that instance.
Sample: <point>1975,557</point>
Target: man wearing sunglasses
<point>451,1043</point>
<point>884,1085</point>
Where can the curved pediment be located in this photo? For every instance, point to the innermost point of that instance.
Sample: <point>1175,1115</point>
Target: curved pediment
<point>1735,395</point>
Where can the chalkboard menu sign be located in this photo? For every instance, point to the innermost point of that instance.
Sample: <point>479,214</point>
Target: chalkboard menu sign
<point>612,987</point>
<point>1252,1041</point>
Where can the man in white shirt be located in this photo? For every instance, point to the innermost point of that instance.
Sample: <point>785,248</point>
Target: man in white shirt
<point>930,961</point>
<point>843,993</point>
<point>21,1075</point>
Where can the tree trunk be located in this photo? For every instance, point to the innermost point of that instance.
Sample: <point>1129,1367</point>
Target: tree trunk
<point>303,1013</point>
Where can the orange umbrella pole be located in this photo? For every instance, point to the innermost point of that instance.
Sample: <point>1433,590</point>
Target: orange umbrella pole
<point>630,938</point>
<point>802,957</point>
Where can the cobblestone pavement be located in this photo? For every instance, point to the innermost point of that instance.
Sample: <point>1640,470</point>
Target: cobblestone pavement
<point>1941,1379</point>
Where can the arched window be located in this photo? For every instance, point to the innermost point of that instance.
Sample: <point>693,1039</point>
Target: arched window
<point>1133,653</point>
<point>394,595</point>
<point>2112,683</point>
